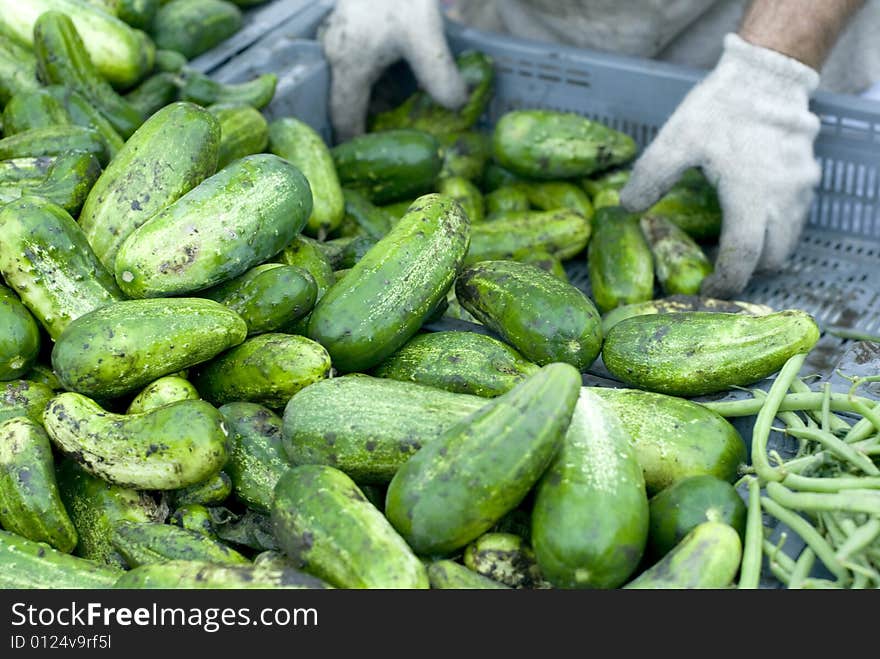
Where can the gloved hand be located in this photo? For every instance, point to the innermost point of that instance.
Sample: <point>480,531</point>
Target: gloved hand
<point>363,37</point>
<point>748,125</point>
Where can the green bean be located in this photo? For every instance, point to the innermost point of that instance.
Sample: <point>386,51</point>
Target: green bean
<point>750,565</point>
<point>829,484</point>
<point>859,539</point>
<point>835,423</point>
<point>826,407</point>
<point>790,403</point>
<point>809,534</point>
<point>860,431</point>
<point>854,501</point>
<point>774,553</point>
<point>802,568</point>
<point>823,584</point>
<point>782,575</point>
<point>859,570</point>
<point>837,447</point>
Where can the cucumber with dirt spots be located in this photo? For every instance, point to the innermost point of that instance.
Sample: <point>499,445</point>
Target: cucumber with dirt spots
<point>27,170</point>
<point>54,141</point>
<point>143,543</point>
<point>546,319</point>
<point>547,144</point>
<point>205,91</point>
<point>154,93</point>
<point>465,193</point>
<point>301,145</point>
<point>325,523</point>
<point>43,374</point>
<point>390,165</point>
<point>35,565</point>
<point>171,153</point>
<point>563,233</point>
<point>212,491</point>
<point>458,486</point>
<point>675,438</point>
<point>19,336</point>
<point>125,346</point>
<point>619,260</point>
<point>590,517</point>
<point>505,199</point>
<point>398,283</point>
<point>33,109</point>
<point>707,557</point>
<point>188,575</point>
<point>460,362</point>
<point>552,195</point>
<point>679,262</point>
<point>165,390</point>
<point>238,218</point>
<point>676,303</point>
<point>256,454</point>
<point>692,204</point>
<point>694,353</point>
<point>29,501</point>
<point>268,296</point>
<point>465,154</point>
<point>18,70</point>
<point>505,558</point>
<point>24,398</point>
<point>192,27</point>
<point>82,113</point>
<point>163,449</point>
<point>267,369</point>
<point>46,258</point>
<point>545,261</point>
<point>243,131</point>
<point>367,426</point>
<point>67,183</point>
<point>447,574</point>
<point>194,517</point>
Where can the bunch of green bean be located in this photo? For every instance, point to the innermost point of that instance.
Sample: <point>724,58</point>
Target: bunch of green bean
<point>828,493</point>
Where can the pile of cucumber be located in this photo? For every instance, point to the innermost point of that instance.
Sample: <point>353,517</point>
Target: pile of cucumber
<point>214,363</point>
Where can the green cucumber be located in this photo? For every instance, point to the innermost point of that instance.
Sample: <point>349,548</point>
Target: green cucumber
<point>66,184</point>
<point>495,176</point>
<point>268,296</point>
<point>619,260</point>
<point>165,390</point>
<point>702,352</point>
<point>708,557</point>
<point>506,199</point>
<point>552,195</point>
<point>19,336</point>
<point>33,109</point>
<point>675,303</point>
<point>143,543</point>
<point>390,165</point>
<point>693,205</point>
<point>163,449</point>
<point>189,575</point>
<point>590,517</point>
<point>325,523</point>
<point>62,59</point>
<point>397,209</point>
<point>24,398</point>
<point>47,260</point>
<point>612,180</point>
<point>547,144</point>
<point>505,558</point>
<point>25,170</point>
<point>460,362</point>
<point>447,574</point>
<point>82,113</point>
<point>465,193</point>
<point>42,374</point>
<point>154,93</point>
<point>230,222</point>
<point>390,292</point>
<point>243,131</point>
<point>29,501</point>
<point>169,61</point>
<point>18,70</point>
<point>676,510</point>
<point>562,233</point>
<point>256,92</point>
<point>301,145</point>
<point>25,564</point>
<point>546,319</point>
<point>137,13</point>
<point>675,438</point>
<point>122,347</point>
<point>54,141</point>
<point>679,262</point>
<point>212,491</point>
<point>256,454</point>
<point>170,154</point>
<point>465,154</point>
<point>366,426</point>
<point>193,27</point>
<point>306,253</point>
<point>456,487</point>
<point>371,220</point>
<point>546,262</point>
<point>267,369</point>
<point>194,517</point>
<point>250,529</point>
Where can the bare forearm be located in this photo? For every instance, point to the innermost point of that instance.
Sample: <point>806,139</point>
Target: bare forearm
<point>803,29</point>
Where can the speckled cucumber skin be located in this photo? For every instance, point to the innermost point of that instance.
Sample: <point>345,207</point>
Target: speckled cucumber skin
<point>546,319</point>
<point>172,152</point>
<point>267,369</point>
<point>83,113</point>
<point>301,145</point>
<point>142,543</point>
<point>35,565</point>
<point>676,303</point>
<point>390,292</point>
<point>26,169</point>
<point>194,27</point>
<point>465,193</point>
<point>29,501</point>
<point>465,154</point>
<point>46,259</point>
<point>189,575</point>
<point>506,199</point>
<point>389,165</point>
<point>202,89</point>
<point>460,362</point>
<point>694,353</point>
<point>124,346</point>
<point>163,449</point>
<point>692,204</point>
<point>17,70</point>
<point>447,574</point>
<point>364,217</point>
<point>95,505</point>
<point>212,491</point>
<point>590,518</point>
<point>68,181</point>
<point>24,398</point>
<point>545,144</point>
<point>552,195</point>
<point>619,260</point>
<point>708,557</point>
<point>325,523</point>
<point>154,93</point>
<point>243,131</point>
<point>455,488</point>
<point>236,219</point>
<point>305,253</point>
<point>562,233</point>
<point>33,109</point>
<point>19,336</point>
<point>165,390</point>
<point>368,427</point>
<point>679,262</point>
<point>506,558</point>
<point>54,141</point>
<point>675,438</point>
<point>268,296</point>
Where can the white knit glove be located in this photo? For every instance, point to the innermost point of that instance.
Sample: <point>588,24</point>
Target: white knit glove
<point>363,37</point>
<point>748,125</point>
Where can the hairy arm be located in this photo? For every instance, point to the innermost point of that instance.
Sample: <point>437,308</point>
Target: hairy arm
<point>805,30</point>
